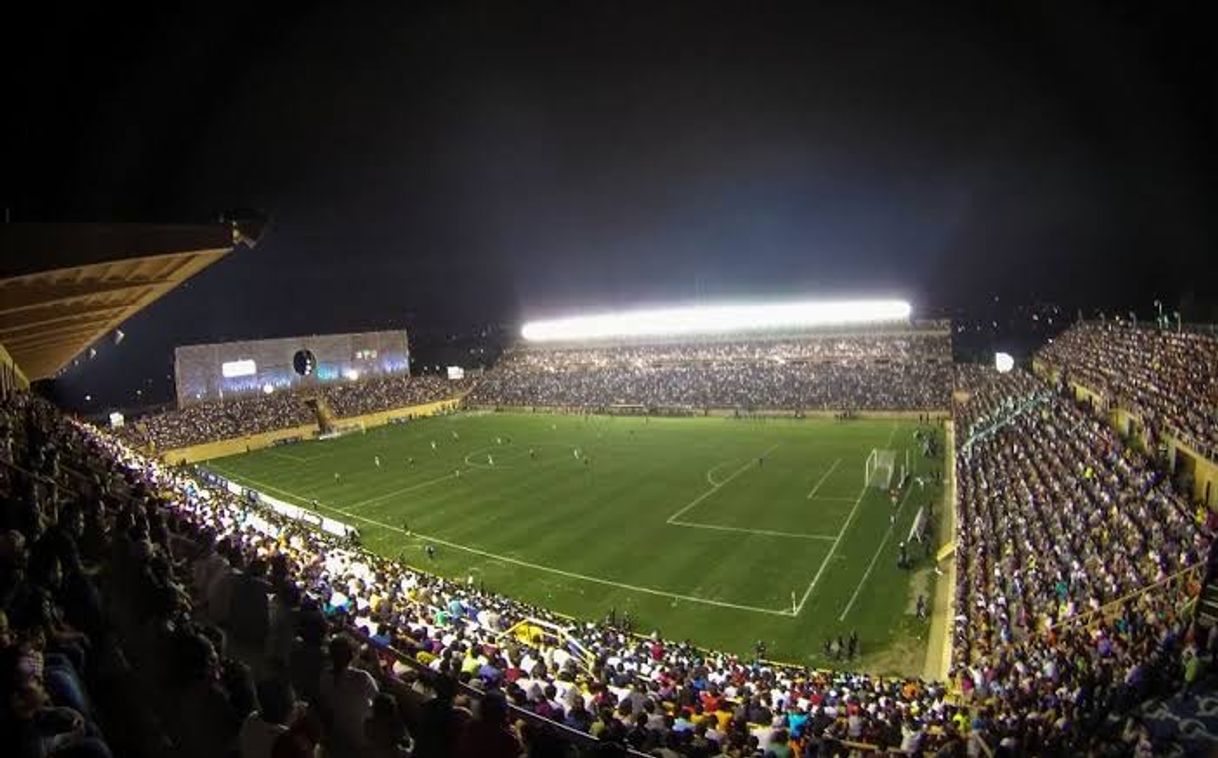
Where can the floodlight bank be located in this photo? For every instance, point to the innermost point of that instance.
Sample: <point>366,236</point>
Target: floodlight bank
<point>716,319</point>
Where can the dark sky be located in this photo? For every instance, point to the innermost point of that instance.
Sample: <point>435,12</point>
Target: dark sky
<point>442,165</point>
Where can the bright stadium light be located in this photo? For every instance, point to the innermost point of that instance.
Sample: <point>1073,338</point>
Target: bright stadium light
<point>714,319</point>
<point>1003,362</point>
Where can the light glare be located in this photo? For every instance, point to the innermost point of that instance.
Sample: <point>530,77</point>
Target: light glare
<point>233,369</point>
<point>713,319</point>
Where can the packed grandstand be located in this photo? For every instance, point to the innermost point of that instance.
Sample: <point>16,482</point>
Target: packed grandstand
<point>128,581</point>
<point>878,370</point>
<point>219,420</point>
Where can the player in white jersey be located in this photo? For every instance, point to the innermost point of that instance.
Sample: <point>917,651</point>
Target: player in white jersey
<point>377,460</point>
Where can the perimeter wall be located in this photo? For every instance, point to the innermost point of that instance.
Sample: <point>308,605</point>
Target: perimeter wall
<point>1127,422</point>
<point>249,443</point>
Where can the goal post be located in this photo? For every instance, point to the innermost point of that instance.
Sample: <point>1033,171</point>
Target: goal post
<point>878,470</point>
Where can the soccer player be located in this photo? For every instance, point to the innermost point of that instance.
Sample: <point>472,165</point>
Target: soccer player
<point>490,460</point>
<point>575,452</point>
<point>532,453</point>
<point>377,460</point>
<point>410,461</point>
<point>433,445</point>
<point>431,551</point>
<point>455,436</point>
<point>406,527</point>
<point>498,440</point>
<point>336,477</point>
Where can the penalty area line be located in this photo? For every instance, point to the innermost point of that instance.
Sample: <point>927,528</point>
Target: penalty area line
<point>746,530</point>
<point>891,528</point>
<point>821,481</point>
<point>716,487</point>
<point>832,549</point>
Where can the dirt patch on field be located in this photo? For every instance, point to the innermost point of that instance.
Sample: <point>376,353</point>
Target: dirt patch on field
<point>919,584</point>
<point>905,655</point>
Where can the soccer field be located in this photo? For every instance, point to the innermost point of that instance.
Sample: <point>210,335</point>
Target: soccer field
<point>717,530</point>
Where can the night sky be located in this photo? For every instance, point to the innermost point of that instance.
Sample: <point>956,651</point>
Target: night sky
<point>444,166</point>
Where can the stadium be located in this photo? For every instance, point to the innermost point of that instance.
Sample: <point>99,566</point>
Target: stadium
<point>664,380</point>
<point>778,516</point>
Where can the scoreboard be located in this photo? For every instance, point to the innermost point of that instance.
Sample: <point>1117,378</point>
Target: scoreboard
<point>227,370</point>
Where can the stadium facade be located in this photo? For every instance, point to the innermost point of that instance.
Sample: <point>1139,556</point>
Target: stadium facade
<point>229,370</point>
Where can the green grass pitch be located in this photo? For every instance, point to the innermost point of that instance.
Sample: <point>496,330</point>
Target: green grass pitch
<point>717,530</point>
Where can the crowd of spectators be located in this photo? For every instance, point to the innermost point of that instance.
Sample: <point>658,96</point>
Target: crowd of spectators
<point>244,634</point>
<point>254,414</point>
<point>1166,377</point>
<point>1056,519</point>
<point>894,371</point>
<point>384,393</point>
<point>991,398</point>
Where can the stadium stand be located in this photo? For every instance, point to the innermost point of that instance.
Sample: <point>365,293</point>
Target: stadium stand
<point>1165,376</point>
<point>1057,518</point>
<point>206,422</point>
<point>127,581</point>
<point>895,370</point>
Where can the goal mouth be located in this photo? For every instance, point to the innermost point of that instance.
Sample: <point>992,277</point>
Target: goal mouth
<point>879,468</point>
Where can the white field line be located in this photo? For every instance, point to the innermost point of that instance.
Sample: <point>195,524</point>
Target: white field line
<point>746,530</point>
<point>832,549</point>
<point>294,458</point>
<point>527,564</point>
<point>402,491</point>
<point>715,488</point>
<point>821,481</point>
<point>876,557</point>
<point>710,479</point>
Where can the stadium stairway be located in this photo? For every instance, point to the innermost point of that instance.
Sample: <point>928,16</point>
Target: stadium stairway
<point>327,422</point>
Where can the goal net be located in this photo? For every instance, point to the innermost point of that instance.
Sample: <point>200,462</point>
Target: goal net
<point>879,468</point>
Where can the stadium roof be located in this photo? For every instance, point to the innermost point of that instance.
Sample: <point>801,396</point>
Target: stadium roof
<point>64,286</point>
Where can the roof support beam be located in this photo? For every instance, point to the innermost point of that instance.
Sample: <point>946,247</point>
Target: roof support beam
<point>21,298</point>
<point>89,316</point>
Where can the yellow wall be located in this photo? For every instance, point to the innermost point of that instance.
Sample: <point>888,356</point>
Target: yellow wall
<point>220,448</point>
<point>1083,393</point>
<point>1044,370</point>
<point>1205,471</point>
<point>11,372</point>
